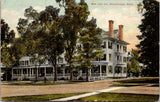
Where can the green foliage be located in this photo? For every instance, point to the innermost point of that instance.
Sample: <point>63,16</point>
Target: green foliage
<point>7,38</point>
<point>141,80</point>
<point>127,84</point>
<point>148,46</point>
<point>7,57</point>
<point>42,36</point>
<point>74,19</point>
<point>38,97</point>
<point>6,35</point>
<point>133,66</point>
<point>47,34</point>
<point>89,45</point>
<point>120,97</point>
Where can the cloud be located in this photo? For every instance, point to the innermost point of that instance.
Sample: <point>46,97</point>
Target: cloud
<point>129,17</point>
<point>12,16</point>
<point>38,8</point>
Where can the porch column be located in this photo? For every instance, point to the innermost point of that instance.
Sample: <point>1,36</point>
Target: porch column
<point>37,72</point>
<point>45,71</point>
<point>80,72</point>
<point>63,72</point>
<point>113,68</point>
<point>30,72</point>
<point>107,55</point>
<point>90,72</point>
<point>27,72</point>
<point>17,71</point>
<point>106,70</point>
<point>21,71</point>
<point>122,70</point>
<point>12,73</point>
<point>100,70</point>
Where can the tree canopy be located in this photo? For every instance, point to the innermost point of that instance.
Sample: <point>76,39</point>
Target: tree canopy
<point>149,39</point>
<point>42,34</point>
<point>133,65</point>
<point>7,37</point>
<point>75,17</point>
<point>89,45</point>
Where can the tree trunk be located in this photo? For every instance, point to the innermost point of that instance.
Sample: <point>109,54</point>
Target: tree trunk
<point>86,74</point>
<point>55,72</point>
<point>6,75</point>
<point>71,78</point>
<point>70,70</point>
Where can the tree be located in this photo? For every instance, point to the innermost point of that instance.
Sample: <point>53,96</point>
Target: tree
<point>42,34</point>
<point>133,67</point>
<point>7,37</point>
<point>8,59</point>
<point>148,46</point>
<point>89,45</point>
<point>73,21</point>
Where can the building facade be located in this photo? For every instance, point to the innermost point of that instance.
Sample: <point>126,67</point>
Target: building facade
<point>112,65</point>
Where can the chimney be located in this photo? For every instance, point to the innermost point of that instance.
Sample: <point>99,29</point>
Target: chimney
<point>120,32</point>
<point>110,28</point>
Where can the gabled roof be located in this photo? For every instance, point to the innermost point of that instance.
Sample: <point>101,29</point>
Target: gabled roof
<point>105,35</point>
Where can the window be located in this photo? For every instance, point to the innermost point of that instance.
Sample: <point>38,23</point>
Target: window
<point>15,71</point>
<point>104,57</point>
<point>117,58</point>
<point>124,49</point>
<point>110,45</point>
<point>31,61</point>
<point>118,48</point>
<point>60,60</point>
<point>129,53</point>
<point>125,70</point>
<point>103,68</point>
<point>110,69</point>
<point>22,63</point>
<point>118,70</point>
<point>104,45</point>
<point>124,59</point>
<point>110,56</point>
<point>27,62</point>
<point>120,58</point>
<point>49,70</point>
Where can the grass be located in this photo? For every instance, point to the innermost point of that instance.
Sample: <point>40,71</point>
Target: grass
<point>120,97</point>
<point>40,83</point>
<point>141,80</point>
<point>137,82</point>
<point>127,84</point>
<point>38,97</point>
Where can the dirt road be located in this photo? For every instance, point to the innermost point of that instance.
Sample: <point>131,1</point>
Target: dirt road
<point>21,90</point>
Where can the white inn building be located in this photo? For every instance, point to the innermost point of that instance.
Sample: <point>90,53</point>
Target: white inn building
<point>112,65</point>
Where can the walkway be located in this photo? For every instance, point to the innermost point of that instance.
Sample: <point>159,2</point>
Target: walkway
<point>87,94</point>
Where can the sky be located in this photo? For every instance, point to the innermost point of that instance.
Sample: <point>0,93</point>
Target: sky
<point>102,10</point>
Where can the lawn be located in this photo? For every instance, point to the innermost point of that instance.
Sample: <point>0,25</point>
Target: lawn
<point>141,80</point>
<point>120,97</point>
<point>127,84</point>
<point>38,97</point>
<point>137,82</point>
<point>40,82</point>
